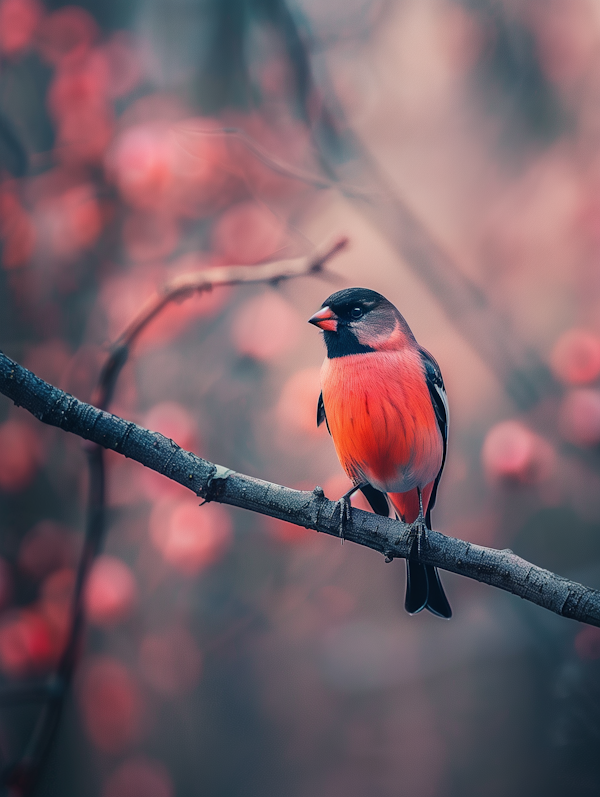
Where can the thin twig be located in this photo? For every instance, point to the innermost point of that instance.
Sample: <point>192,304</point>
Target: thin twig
<point>23,776</point>
<point>502,569</point>
<point>197,282</point>
<point>520,369</point>
<point>276,165</point>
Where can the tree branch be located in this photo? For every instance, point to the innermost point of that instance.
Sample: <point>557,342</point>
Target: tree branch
<point>23,775</point>
<point>312,510</point>
<point>525,376</point>
<point>185,285</point>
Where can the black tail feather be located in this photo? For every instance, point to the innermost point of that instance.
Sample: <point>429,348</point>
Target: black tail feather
<point>417,588</point>
<point>437,602</point>
<point>424,588</point>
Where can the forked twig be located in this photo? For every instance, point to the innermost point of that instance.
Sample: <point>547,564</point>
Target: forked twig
<point>186,285</point>
<point>23,776</point>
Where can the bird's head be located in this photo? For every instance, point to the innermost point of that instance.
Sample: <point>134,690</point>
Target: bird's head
<point>358,320</point>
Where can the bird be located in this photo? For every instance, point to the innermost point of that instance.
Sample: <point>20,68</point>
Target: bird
<point>384,403</point>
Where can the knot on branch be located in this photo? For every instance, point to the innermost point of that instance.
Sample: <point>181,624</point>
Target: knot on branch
<point>215,485</point>
<point>319,495</point>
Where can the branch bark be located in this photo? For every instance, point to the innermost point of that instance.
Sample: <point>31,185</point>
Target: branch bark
<point>392,538</point>
<point>21,776</point>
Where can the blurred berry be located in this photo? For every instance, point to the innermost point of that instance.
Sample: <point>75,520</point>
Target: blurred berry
<point>56,603</point>
<point>21,454</point>
<point>17,232</point>
<point>110,591</point>
<point>265,327</point>
<point>19,21</point>
<point>25,644</point>
<point>579,417</point>
<point>297,406</point>
<point>142,164</point>
<point>247,233</point>
<point>123,64</point>
<point>512,453</point>
<point>575,358</point>
<point>110,704</point>
<point>70,222</point>
<point>150,236</point>
<point>190,537</point>
<point>67,35</point>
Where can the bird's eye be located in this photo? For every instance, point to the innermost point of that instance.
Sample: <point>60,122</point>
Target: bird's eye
<point>356,312</point>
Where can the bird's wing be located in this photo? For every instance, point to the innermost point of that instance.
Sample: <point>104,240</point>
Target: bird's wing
<point>321,413</point>
<point>439,399</point>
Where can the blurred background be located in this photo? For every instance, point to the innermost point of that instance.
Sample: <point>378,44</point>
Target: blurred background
<point>457,144</point>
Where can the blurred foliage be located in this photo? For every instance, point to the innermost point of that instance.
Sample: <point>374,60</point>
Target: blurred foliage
<point>226,653</point>
<point>510,80</point>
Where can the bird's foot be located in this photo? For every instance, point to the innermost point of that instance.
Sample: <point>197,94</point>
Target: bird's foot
<point>345,514</point>
<point>346,509</point>
<point>418,532</point>
<point>418,537</point>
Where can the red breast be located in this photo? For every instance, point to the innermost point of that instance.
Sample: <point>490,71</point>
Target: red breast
<point>381,418</point>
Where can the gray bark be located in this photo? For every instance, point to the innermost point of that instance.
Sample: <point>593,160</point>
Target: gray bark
<point>498,568</point>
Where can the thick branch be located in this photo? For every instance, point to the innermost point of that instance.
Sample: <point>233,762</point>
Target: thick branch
<point>312,510</point>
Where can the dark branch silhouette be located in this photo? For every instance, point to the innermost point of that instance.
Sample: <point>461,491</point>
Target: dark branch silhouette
<point>345,164</point>
<point>523,373</point>
<point>211,482</point>
<point>23,775</point>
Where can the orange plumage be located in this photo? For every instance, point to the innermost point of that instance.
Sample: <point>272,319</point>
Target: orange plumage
<point>384,402</point>
<point>383,424</point>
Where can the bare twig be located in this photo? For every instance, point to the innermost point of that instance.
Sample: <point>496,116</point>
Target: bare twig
<point>520,369</point>
<point>198,282</point>
<point>23,775</point>
<point>276,165</point>
<point>312,510</point>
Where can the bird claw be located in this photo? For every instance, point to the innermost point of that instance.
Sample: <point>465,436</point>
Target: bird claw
<point>345,514</point>
<point>418,531</point>
<point>346,509</point>
<point>418,534</point>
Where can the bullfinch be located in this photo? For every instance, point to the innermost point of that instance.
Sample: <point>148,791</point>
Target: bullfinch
<point>384,403</point>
